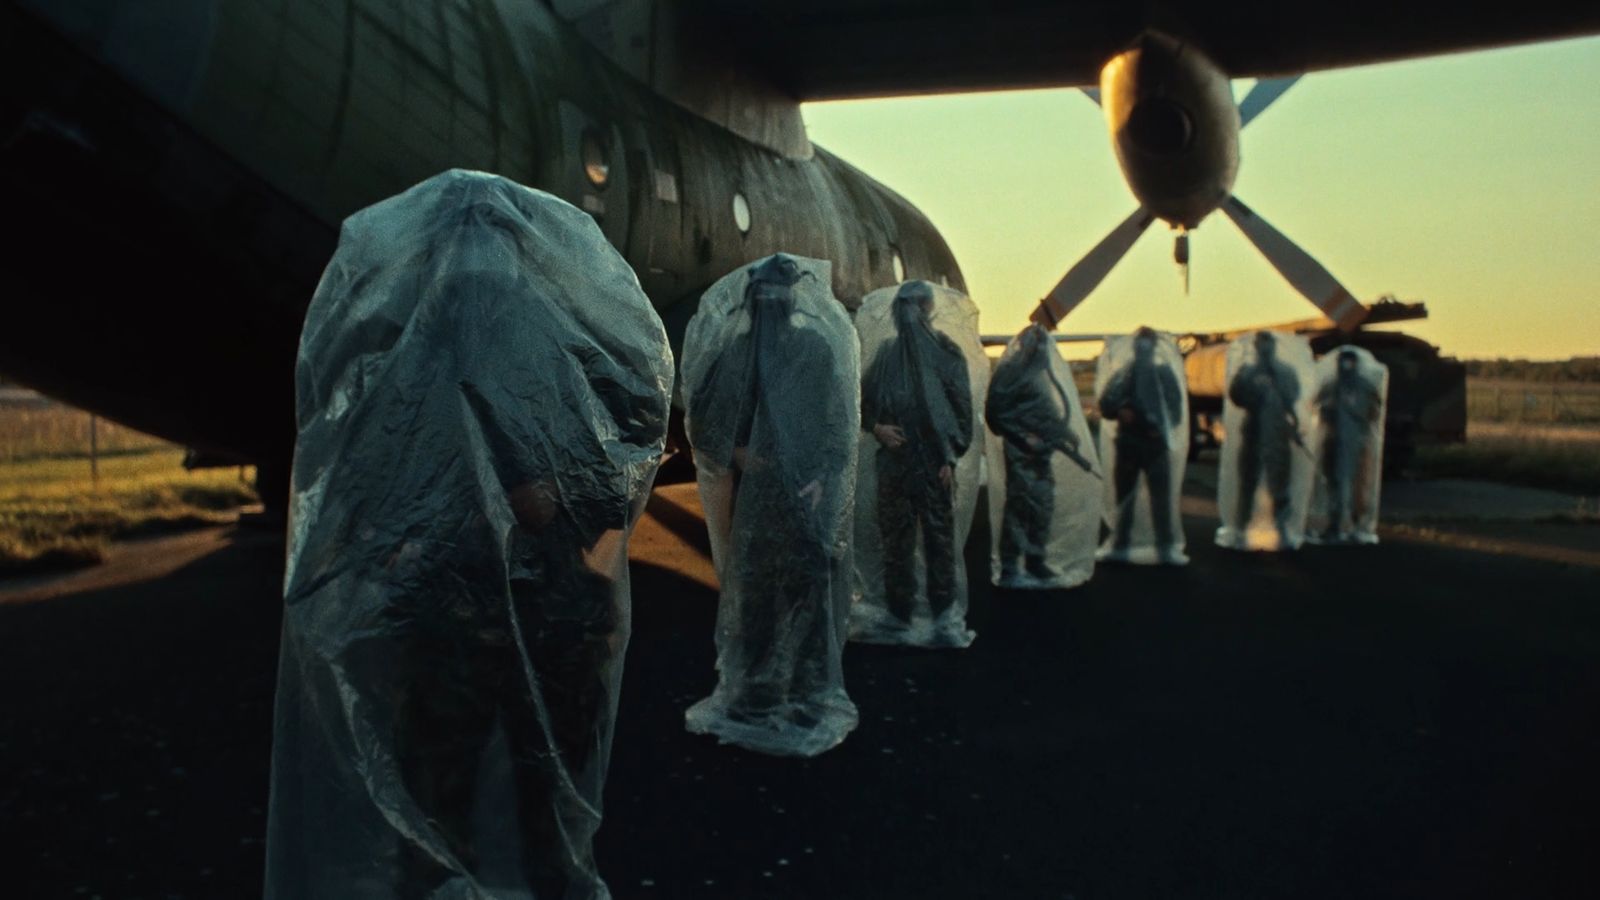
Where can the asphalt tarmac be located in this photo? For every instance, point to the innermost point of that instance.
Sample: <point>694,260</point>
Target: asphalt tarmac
<point>1416,719</point>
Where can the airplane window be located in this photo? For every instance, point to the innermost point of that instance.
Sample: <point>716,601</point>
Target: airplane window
<point>741,213</point>
<point>596,161</point>
<point>899,266</point>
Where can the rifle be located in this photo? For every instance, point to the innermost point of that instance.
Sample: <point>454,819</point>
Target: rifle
<point>1294,419</point>
<point>1061,445</point>
<point>1297,438</point>
<point>1071,452</point>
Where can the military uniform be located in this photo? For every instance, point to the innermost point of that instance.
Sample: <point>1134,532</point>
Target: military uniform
<point>1266,390</point>
<point>1146,401</point>
<point>918,383</point>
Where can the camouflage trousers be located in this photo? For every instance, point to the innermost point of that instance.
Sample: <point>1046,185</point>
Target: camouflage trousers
<point>1030,505</point>
<point>910,497</point>
<point>457,687</point>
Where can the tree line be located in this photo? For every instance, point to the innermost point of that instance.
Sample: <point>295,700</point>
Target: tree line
<point>1577,370</point>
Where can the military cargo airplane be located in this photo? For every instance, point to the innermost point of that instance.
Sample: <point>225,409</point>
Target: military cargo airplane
<point>175,173</point>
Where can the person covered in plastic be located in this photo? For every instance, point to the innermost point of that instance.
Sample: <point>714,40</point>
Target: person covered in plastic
<point>483,393</point>
<point>1143,407</point>
<point>1047,453</point>
<point>920,385</point>
<point>1349,405</point>
<point>1266,391</point>
<point>770,375</point>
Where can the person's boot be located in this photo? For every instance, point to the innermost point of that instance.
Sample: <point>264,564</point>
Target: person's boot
<point>1039,569</point>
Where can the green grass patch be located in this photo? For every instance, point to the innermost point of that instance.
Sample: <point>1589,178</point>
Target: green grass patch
<point>1535,460</point>
<point>54,516</point>
<point>42,430</point>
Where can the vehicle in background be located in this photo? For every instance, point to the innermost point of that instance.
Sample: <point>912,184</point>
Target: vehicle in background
<point>1427,391</point>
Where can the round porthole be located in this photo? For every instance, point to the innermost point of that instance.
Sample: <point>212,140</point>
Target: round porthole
<point>741,213</point>
<point>899,266</point>
<point>596,159</point>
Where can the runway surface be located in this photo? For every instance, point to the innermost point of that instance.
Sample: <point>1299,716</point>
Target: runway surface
<point>1416,719</point>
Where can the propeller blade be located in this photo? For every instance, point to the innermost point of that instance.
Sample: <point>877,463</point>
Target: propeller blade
<point>1261,96</point>
<point>1087,274</point>
<point>1093,93</point>
<point>1302,272</point>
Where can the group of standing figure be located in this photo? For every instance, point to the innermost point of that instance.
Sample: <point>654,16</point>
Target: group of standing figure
<point>1052,494</point>
<point>1303,444</point>
<point>838,469</point>
<point>483,393</point>
<point>1291,455</point>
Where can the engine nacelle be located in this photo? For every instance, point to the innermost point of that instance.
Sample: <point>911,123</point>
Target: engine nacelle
<point>1174,126</point>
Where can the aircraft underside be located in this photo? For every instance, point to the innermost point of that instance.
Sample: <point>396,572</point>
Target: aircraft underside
<point>167,261</point>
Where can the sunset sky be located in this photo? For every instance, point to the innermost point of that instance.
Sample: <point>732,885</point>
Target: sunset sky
<point>1469,181</point>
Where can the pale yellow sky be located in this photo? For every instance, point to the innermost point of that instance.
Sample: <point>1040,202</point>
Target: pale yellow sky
<point>1470,182</point>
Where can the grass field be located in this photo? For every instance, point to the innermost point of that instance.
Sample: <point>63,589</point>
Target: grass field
<point>54,516</point>
<point>40,429</point>
<point>1501,400</point>
<point>1558,458</point>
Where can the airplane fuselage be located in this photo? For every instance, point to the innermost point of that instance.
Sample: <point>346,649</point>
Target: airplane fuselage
<point>182,170</point>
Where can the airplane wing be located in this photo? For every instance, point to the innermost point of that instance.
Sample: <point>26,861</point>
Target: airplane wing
<point>833,49</point>
<point>1000,340</point>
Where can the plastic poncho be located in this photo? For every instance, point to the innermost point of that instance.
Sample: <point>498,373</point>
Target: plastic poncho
<point>1143,400</point>
<point>483,393</point>
<point>1350,405</point>
<point>1045,478</point>
<point>770,382</point>
<point>1264,473</point>
<point>924,375</point>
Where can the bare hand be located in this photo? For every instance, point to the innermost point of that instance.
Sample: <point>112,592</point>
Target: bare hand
<point>1034,442</point>
<point>946,476</point>
<point>890,436</point>
<point>812,492</point>
<point>1125,415</point>
<point>534,504</point>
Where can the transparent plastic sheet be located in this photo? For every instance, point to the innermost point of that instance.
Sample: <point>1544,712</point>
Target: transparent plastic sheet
<point>1350,403</point>
<point>482,404</point>
<point>770,379</point>
<point>1143,400</point>
<point>1045,477</point>
<point>926,376</point>
<point>1266,465</point>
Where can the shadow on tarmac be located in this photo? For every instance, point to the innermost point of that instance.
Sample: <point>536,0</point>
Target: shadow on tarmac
<point>1408,720</point>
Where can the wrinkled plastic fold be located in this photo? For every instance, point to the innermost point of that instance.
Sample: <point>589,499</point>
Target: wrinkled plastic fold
<point>1351,402</point>
<point>482,404</point>
<point>1142,397</point>
<point>1045,476</point>
<point>1265,468</point>
<point>924,378</point>
<point>770,378</point>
